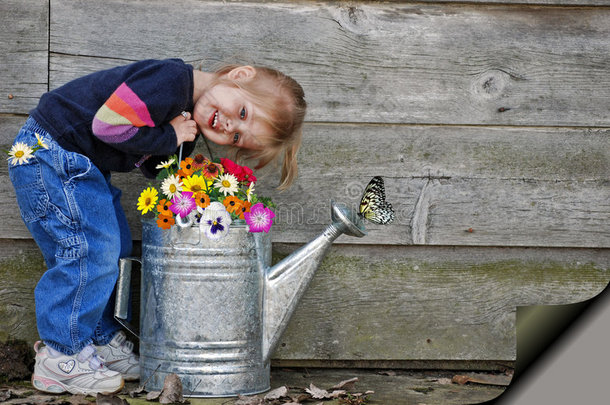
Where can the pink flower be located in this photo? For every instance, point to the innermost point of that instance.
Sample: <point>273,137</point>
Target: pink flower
<point>183,204</point>
<point>259,218</point>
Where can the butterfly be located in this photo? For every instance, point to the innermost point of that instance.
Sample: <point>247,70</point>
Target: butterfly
<point>373,205</point>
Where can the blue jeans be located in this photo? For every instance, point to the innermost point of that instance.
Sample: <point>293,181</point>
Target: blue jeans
<point>75,217</point>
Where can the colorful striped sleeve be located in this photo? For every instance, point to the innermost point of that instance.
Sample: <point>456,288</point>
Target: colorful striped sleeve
<point>121,116</point>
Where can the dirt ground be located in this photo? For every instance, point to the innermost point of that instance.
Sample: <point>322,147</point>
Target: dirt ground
<point>316,386</point>
<point>307,386</point>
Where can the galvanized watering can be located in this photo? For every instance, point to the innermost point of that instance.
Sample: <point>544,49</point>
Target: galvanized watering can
<point>212,312</point>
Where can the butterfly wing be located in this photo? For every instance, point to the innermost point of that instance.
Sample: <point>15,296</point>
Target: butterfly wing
<point>373,205</point>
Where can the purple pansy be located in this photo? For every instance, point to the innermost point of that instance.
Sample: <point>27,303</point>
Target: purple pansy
<point>215,222</point>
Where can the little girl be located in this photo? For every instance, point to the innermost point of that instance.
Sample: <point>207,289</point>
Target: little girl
<point>116,120</point>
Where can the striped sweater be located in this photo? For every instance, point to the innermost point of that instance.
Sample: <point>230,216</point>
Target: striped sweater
<point>119,117</point>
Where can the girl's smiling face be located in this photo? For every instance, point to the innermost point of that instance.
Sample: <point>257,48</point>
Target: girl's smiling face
<point>226,116</point>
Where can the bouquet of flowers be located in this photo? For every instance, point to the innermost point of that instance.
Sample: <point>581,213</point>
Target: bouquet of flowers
<point>211,193</point>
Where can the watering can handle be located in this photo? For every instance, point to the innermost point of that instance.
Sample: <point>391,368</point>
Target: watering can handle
<point>121,305</point>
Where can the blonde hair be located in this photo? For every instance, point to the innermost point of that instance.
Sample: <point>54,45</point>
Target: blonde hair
<point>284,112</point>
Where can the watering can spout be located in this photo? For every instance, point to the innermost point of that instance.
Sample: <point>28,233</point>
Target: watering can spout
<point>287,281</point>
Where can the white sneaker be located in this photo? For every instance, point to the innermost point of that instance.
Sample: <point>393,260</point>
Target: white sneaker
<point>118,356</point>
<point>82,373</point>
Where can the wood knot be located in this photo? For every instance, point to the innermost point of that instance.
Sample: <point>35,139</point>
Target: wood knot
<point>356,19</point>
<point>490,85</point>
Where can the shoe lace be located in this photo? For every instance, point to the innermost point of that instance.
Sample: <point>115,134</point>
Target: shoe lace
<point>88,354</point>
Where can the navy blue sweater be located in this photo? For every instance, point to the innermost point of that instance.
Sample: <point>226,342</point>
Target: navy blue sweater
<point>119,117</point>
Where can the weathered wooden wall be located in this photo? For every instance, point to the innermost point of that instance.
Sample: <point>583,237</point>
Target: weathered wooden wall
<point>490,123</point>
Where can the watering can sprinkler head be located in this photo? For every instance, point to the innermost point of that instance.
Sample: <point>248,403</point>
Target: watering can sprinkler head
<point>352,223</point>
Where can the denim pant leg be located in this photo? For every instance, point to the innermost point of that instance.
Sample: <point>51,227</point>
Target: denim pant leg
<point>68,207</point>
<point>108,326</point>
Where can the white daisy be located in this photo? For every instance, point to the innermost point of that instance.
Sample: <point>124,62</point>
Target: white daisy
<point>250,192</point>
<point>20,153</point>
<point>165,165</point>
<point>41,142</point>
<point>171,186</point>
<point>227,184</point>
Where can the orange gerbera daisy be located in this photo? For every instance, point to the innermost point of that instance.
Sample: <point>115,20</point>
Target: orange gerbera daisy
<point>243,209</point>
<point>202,199</point>
<point>211,170</point>
<point>165,222</point>
<point>186,167</point>
<point>232,204</point>
<point>199,161</point>
<point>163,207</point>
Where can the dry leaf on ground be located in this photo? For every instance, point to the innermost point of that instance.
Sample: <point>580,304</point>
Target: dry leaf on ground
<point>277,393</point>
<point>317,393</point>
<point>337,393</point>
<point>297,399</point>
<point>172,390</point>
<point>153,395</point>
<point>346,384</point>
<point>486,380</point>
<point>460,379</point>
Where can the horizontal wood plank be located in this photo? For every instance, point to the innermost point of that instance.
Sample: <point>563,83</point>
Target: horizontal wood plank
<point>432,303</point>
<point>507,186</point>
<point>24,45</point>
<point>513,186</point>
<point>388,63</point>
<point>386,303</point>
<point>444,152</point>
<point>461,212</point>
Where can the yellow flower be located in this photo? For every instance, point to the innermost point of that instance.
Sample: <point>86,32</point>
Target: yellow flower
<point>147,200</point>
<point>20,153</point>
<point>196,183</point>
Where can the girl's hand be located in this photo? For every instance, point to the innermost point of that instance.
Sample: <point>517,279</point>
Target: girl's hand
<point>185,127</point>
